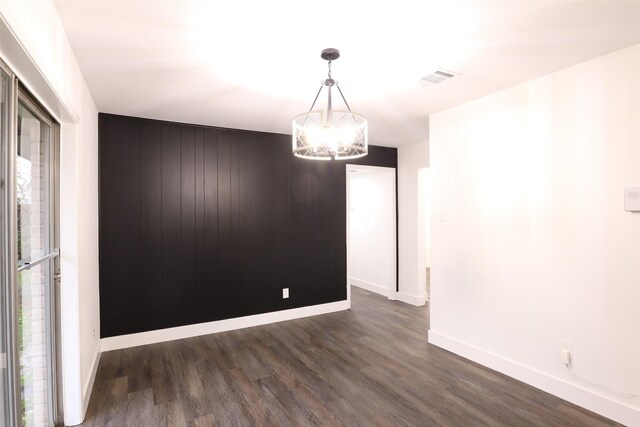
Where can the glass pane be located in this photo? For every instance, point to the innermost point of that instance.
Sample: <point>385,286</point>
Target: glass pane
<point>33,345</point>
<point>34,301</point>
<point>32,181</point>
<point>4,141</point>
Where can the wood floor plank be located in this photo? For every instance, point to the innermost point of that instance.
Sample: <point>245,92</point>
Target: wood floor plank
<point>368,366</point>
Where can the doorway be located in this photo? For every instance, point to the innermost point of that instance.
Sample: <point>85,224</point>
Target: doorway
<point>30,257</point>
<point>371,229</point>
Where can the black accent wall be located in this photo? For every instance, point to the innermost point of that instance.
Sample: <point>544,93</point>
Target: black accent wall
<point>200,223</point>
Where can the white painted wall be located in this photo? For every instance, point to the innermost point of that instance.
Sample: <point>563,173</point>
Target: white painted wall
<point>87,233</point>
<point>372,229</point>
<point>424,215</point>
<point>42,58</point>
<point>412,275</point>
<point>530,241</point>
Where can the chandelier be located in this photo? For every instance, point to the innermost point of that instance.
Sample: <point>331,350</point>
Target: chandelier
<point>330,134</point>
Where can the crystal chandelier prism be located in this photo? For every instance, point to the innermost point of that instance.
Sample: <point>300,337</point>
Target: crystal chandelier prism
<point>330,134</point>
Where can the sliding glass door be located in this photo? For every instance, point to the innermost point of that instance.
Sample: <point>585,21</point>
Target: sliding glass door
<point>29,260</point>
<point>6,395</point>
<point>37,256</point>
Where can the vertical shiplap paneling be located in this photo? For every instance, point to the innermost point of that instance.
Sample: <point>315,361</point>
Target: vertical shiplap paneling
<point>188,219</point>
<point>245,235</point>
<point>171,226</point>
<point>265,226</point>
<point>150,225</point>
<point>298,234</point>
<point>118,216</point>
<point>230,291</point>
<point>339,222</point>
<point>136,290</point>
<point>210,303</point>
<point>200,224</point>
<point>200,261</point>
<point>104,241</point>
<point>224,250</point>
<point>276,153</point>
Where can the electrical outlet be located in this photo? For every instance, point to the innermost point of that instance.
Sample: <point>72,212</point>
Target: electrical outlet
<point>566,352</point>
<point>93,333</point>
<point>285,293</point>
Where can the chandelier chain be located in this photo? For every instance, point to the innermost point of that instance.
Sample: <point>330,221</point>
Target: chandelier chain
<point>329,69</point>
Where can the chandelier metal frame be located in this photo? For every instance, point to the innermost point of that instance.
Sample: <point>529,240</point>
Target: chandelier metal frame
<point>330,134</point>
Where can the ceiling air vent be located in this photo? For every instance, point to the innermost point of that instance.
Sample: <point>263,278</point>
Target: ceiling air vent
<point>437,76</point>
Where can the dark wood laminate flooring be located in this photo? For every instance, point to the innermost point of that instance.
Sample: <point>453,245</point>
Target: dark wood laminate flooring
<point>368,366</point>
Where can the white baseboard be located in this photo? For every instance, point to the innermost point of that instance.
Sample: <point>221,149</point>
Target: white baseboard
<point>577,394</point>
<point>88,386</point>
<point>180,332</point>
<point>369,286</point>
<point>417,300</point>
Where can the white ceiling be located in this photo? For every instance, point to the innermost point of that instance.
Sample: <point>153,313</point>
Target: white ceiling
<point>255,64</point>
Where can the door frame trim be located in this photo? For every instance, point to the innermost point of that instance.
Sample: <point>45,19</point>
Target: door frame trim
<point>18,93</point>
<point>392,292</point>
<point>10,227</point>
